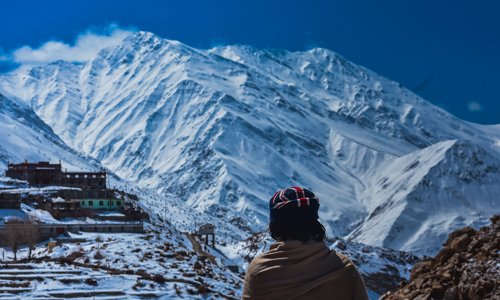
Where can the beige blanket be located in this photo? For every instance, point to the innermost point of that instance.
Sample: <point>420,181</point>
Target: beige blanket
<point>296,270</point>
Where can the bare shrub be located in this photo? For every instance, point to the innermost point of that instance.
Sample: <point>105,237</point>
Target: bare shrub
<point>91,281</point>
<point>98,255</point>
<point>158,278</point>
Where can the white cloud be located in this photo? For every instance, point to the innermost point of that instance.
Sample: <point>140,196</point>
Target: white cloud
<point>474,106</point>
<point>84,48</point>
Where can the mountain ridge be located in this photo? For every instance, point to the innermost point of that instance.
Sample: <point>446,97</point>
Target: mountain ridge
<point>209,126</point>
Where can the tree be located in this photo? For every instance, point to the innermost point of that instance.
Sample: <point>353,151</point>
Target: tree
<point>31,235</point>
<point>14,234</point>
<point>3,242</point>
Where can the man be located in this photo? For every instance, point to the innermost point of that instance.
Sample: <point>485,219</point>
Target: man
<point>300,265</point>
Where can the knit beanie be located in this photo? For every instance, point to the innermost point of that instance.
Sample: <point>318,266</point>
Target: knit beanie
<point>293,204</point>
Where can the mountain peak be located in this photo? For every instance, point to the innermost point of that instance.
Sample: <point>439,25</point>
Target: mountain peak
<point>207,130</point>
<point>147,39</point>
<point>142,36</point>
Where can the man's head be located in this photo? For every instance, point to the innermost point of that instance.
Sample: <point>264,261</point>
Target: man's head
<point>294,215</point>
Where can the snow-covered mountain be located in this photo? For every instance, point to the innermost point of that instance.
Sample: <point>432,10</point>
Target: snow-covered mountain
<point>24,136</point>
<point>419,197</point>
<point>222,129</point>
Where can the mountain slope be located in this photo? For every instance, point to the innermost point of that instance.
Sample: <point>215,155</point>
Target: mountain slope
<point>222,129</point>
<point>26,137</point>
<point>421,196</point>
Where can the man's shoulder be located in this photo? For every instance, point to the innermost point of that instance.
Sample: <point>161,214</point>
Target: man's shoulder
<point>273,256</point>
<point>257,261</point>
<point>343,258</point>
<point>262,259</point>
<point>339,260</point>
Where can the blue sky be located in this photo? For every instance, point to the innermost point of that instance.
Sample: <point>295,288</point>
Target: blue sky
<point>446,51</point>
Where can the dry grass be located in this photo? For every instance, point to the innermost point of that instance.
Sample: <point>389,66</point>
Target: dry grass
<point>12,284</point>
<point>91,281</point>
<point>69,281</point>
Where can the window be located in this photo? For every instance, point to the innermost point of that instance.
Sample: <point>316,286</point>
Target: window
<point>118,203</point>
<point>101,203</point>
<point>91,203</point>
<point>83,202</point>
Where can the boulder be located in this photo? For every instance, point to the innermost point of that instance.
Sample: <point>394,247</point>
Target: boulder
<point>466,268</point>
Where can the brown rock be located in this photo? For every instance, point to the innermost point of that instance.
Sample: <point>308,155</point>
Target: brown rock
<point>495,219</point>
<point>460,243</point>
<point>445,275</point>
<point>469,231</point>
<point>419,268</point>
<point>425,296</point>
<point>443,255</point>
<point>450,294</point>
<point>466,268</point>
<point>474,244</point>
<point>472,295</point>
<point>437,290</point>
<point>419,283</point>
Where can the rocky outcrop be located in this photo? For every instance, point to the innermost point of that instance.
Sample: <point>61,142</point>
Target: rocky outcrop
<point>466,268</point>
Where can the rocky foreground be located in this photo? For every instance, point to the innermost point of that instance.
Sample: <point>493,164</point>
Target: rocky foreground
<point>468,267</point>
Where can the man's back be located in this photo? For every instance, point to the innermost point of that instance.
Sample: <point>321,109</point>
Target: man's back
<point>297,270</point>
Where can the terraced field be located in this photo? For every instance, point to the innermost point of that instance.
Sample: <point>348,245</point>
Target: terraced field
<point>52,281</point>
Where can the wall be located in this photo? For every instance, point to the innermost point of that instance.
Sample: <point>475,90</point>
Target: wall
<point>52,230</point>
<point>107,203</point>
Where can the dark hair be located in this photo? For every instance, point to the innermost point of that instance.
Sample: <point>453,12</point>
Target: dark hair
<point>302,231</point>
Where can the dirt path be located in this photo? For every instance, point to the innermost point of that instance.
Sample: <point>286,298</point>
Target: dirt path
<point>198,249</point>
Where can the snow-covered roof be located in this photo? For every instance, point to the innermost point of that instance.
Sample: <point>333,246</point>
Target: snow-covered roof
<point>9,214</point>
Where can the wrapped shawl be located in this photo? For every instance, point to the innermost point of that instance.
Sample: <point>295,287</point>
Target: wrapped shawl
<point>296,270</point>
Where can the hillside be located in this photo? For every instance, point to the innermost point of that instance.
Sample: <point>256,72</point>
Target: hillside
<point>466,268</point>
<point>27,137</point>
<point>412,193</point>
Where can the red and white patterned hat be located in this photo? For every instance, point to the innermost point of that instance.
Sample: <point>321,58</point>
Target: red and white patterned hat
<point>294,203</point>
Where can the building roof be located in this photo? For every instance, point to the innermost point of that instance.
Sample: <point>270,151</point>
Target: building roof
<point>5,214</point>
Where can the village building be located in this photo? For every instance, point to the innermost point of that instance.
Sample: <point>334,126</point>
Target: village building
<point>46,174</point>
<point>10,201</point>
<point>73,195</point>
<point>9,215</point>
<point>85,180</point>
<point>39,174</point>
<point>207,230</point>
<point>60,205</point>
<point>81,190</point>
<point>102,203</point>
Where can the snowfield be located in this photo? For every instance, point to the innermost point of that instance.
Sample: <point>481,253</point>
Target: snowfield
<point>121,266</point>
